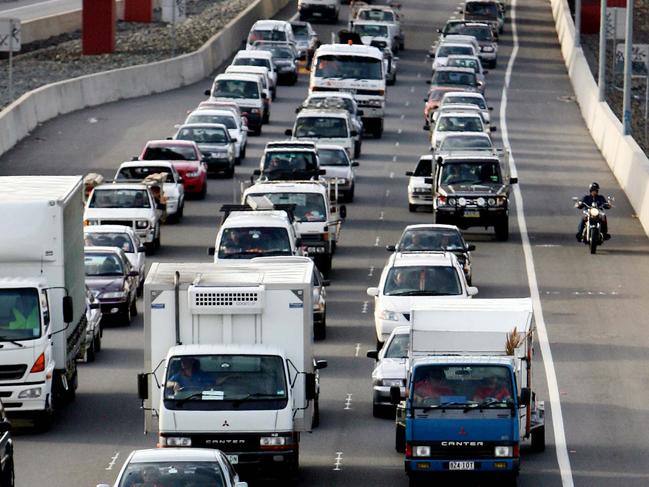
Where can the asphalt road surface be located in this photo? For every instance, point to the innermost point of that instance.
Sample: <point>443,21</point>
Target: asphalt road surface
<point>26,10</point>
<point>594,306</point>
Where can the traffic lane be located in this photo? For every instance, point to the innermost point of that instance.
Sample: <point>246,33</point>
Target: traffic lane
<point>27,10</point>
<point>593,303</point>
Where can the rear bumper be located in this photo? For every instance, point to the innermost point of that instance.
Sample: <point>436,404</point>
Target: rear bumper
<point>193,185</point>
<point>317,11</point>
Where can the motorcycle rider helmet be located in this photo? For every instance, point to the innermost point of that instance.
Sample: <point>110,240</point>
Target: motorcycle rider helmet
<point>593,187</point>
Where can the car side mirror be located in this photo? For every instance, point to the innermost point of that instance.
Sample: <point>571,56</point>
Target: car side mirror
<point>322,172</point>
<point>143,386</point>
<point>470,248</point>
<point>326,283</point>
<point>373,354</point>
<point>141,248</point>
<point>133,273</point>
<point>425,100</point>
<point>207,92</point>
<point>484,71</point>
<point>256,172</point>
<point>391,248</point>
<point>169,138</point>
<point>490,109</point>
<point>264,96</point>
<point>428,81</point>
<point>373,291</point>
<point>160,206</point>
<point>410,173</point>
<point>298,109</point>
<point>288,132</point>
<point>310,387</point>
<point>395,395</point>
<point>211,250</point>
<point>353,133</point>
<point>525,397</point>
<point>134,158</point>
<point>298,242</point>
<point>94,305</point>
<point>513,180</point>
<point>472,291</point>
<point>492,129</point>
<point>439,31</point>
<point>355,164</point>
<point>68,309</point>
<point>321,364</point>
<point>342,211</point>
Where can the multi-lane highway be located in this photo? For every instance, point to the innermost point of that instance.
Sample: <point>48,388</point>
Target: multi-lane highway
<point>594,307</point>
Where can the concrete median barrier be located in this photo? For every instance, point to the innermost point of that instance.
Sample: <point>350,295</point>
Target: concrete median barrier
<point>624,156</point>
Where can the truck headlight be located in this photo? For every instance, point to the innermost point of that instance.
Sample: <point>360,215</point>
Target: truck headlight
<point>114,295</point>
<point>175,441</point>
<point>275,441</point>
<point>33,393</point>
<point>491,201</point>
<point>503,451</point>
<point>141,224</point>
<point>389,315</point>
<point>487,49</point>
<point>421,451</point>
<point>391,382</point>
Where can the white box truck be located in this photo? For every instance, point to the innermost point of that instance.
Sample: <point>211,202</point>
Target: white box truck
<point>228,359</point>
<point>42,293</point>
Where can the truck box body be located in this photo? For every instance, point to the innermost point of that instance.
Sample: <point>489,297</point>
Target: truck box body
<point>260,309</point>
<point>42,248</point>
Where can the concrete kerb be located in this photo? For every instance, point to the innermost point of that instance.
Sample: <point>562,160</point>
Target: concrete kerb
<point>622,153</point>
<point>46,102</point>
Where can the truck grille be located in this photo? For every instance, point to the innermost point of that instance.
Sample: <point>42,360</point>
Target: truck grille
<point>12,372</point>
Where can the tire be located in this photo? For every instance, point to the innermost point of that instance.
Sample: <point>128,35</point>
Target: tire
<point>97,342</point>
<point>323,264</point>
<point>381,411</point>
<point>134,308</point>
<point>320,330</point>
<point>156,240</point>
<point>8,476</point>
<point>400,439</point>
<point>349,198</point>
<point>493,64</point>
<point>90,352</point>
<point>357,150</point>
<point>378,130</point>
<point>316,413</point>
<point>43,420</point>
<point>242,154</point>
<point>181,211</point>
<point>502,230</point>
<point>510,479</point>
<point>230,172</point>
<point>266,118</point>
<point>149,248</point>
<point>594,240</point>
<point>203,193</point>
<point>126,315</point>
<point>538,439</point>
<point>412,208</point>
<point>257,131</point>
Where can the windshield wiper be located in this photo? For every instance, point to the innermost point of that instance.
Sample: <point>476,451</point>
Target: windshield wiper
<point>419,293</point>
<point>486,403</point>
<point>237,402</point>
<point>6,339</point>
<point>191,396</point>
<point>442,405</point>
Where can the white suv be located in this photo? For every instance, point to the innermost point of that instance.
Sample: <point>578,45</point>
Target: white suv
<point>325,126</point>
<point>413,277</point>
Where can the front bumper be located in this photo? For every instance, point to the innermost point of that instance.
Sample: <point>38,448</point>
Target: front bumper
<point>492,465</point>
<point>381,395</point>
<point>421,199</point>
<point>15,405</point>
<point>146,235</point>
<point>472,217</point>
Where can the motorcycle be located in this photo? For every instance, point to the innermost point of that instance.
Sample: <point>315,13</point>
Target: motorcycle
<point>594,216</point>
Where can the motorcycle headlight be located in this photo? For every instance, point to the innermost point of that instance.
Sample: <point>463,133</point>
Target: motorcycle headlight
<point>594,212</point>
<point>389,315</point>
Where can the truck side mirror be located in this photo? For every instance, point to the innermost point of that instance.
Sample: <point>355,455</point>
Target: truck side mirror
<point>342,211</point>
<point>395,395</point>
<point>321,364</point>
<point>428,180</point>
<point>133,273</point>
<point>326,283</point>
<point>322,172</point>
<point>360,113</point>
<point>94,305</point>
<point>310,387</point>
<point>355,164</point>
<point>470,247</point>
<point>298,242</point>
<point>68,309</point>
<point>513,180</point>
<point>492,129</point>
<point>525,397</point>
<point>391,248</point>
<point>143,386</point>
<point>211,250</point>
<point>353,133</point>
<point>373,354</point>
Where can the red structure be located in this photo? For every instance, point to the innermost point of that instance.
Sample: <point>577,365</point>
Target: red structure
<point>98,19</point>
<point>138,10</point>
<point>590,14</point>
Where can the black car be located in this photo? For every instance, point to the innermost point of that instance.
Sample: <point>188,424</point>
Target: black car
<point>6,450</point>
<point>436,238</point>
<point>112,281</point>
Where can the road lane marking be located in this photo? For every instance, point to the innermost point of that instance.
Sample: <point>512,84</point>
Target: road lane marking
<point>382,216</point>
<point>402,117</point>
<point>407,103</point>
<point>371,272</point>
<point>338,462</point>
<point>412,89</point>
<point>348,402</point>
<point>113,459</point>
<point>364,307</point>
<point>396,144</point>
<point>377,241</point>
<point>391,174</point>
<point>387,193</point>
<point>400,131</point>
<point>561,448</point>
<point>394,158</point>
<point>357,350</point>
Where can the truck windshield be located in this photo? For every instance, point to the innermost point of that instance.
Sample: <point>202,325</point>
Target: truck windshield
<point>465,386</point>
<point>120,198</point>
<point>348,67</point>
<point>471,173</point>
<point>172,473</point>
<point>19,314</point>
<point>226,382</point>
<point>321,127</point>
<point>309,207</point>
<point>289,162</point>
<point>246,243</point>
<point>422,281</point>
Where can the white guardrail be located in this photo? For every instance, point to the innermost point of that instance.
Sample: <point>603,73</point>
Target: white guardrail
<point>37,106</point>
<point>622,153</point>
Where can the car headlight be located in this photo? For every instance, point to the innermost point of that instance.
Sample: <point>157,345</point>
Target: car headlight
<point>33,393</point>
<point>114,295</point>
<point>481,201</point>
<point>421,190</point>
<point>491,201</point>
<point>391,382</point>
<point>421,451</point>
<point>219,155</point>
<point>488,49</point>
<point>193,174</point>
<point>503,451</point>
<point>342,181</point>
<point>141,224</point>
<point>389,315</point>
<point>175,441</point>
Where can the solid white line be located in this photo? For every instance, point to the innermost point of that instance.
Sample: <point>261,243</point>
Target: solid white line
<point>553,388</point>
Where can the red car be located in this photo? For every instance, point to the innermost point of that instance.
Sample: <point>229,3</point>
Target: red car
<point>186,158</point>
<point>433,100</point>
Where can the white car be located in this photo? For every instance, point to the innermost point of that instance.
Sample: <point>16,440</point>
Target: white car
<point>258,57</point>
<point>447,48</point>
<point>420,192</point>
<point>410,278</point>
<point>454,123</point>
<point>467,98</point>
<point>373,32</point>
<point>325,126</point>
<point>270,30</point>
<point>262,72</point>
<point>391,370</point>
<point>177,466</point>
<point>124,238</point>
<point>237,130</point>
<point>173,187</point>
<point>339,169</point>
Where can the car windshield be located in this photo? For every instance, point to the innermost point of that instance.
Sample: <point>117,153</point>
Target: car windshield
<point>482,9</point>
<point>333,157</point>
<point>471,173</point>
<point>266,35</point>
<point>436,95</point>
<point>235,88</point>
<point>472,386</point>
<point>464,63</point>
<point>378,15</point>
<point>249,61</point>
<point>445,51</point>
<point>459,123</point>
<point>465,100</point>
<point>278,51</point>
<point>176,473</point>
<point>348,67</point>
<point>176,153</point>
<point>321,127</point>
<point>398,347</point>
<point>141,172</point>
<point>422,281</point>
<point>103,265</point>
<point>371,30</point>
<point>431,239</point>
<point>109,239</point>
<point>119,198</point>
<point>20,314</point>
<point>280,162</point>
<point>226,381</point>
<point>452,28</point>
<point>480,33</point>
<point>300,31</point>
<point>203,135</point>
<point>454,78</point>
<point>246,243</point>
<point>309,207</point>
<point>465,142</point>
<point>228,121</point>
<point>424,168</point>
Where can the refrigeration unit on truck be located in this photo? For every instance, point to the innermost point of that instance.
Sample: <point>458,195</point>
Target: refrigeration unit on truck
<point>469,401</point>
<point>228,359</point>
<point>42,293</point>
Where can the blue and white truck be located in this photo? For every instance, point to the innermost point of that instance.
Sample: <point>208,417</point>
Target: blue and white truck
<point>469,402</point>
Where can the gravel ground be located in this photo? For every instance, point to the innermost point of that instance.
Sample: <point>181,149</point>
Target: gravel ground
<point>590,44</point>
<point>60,58</point>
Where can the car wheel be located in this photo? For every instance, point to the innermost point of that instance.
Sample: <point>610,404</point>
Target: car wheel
<point>378,130</point>
<point>8,476</point>
<point>127,314</point>
<point>502,230</point>
<point>203,193</point>
<point>242,154</point>
<point>316,413</point>
<point>349,198</point>
<point>257,131</point>
<point>181,211</point>
<point>134,307</point>
<point>97,341</point>
<point>266,118</point>
<point>90,352</point>
<point>149,248</point>
<point>43,419</point>
<point>412,208</point>
<point>357,149</point>
<point>230,172</point>
<point>320,330</point>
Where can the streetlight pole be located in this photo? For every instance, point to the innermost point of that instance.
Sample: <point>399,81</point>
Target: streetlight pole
<point>601,73</point>
<point>628,64</point>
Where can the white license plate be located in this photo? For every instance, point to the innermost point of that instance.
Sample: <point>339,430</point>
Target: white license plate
<point>471,214</point>
<point>461,465</point>
<point>317,14</point>
<point>234,459</point>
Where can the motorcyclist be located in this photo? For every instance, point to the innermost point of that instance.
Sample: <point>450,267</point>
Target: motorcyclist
<point>593,198</point>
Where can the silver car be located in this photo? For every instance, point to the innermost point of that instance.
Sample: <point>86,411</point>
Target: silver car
<point>390,370</point>
<point>94,330</point>
<point>339,169</point>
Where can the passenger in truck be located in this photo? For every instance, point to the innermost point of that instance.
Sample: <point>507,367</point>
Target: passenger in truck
<point>431,387</point>
<point>495,388</point>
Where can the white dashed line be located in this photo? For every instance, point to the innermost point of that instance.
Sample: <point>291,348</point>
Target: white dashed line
<point>402,117</point>
<point>396,144</point>
<point>407,103</point>
<point>418,75</point>
<point>113,459</point>
<point>412,89</point>
<point>364,307</point>
<point>391,174</point>
<point>394,158</point>
<point>387,193</point>
<point>338,462</point>
<point>381,216</point>
<point>377,241</point>
<point>357,349</point>
<point>348,402</point>
<point>400,131</point>
<point>371,272</point>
